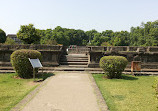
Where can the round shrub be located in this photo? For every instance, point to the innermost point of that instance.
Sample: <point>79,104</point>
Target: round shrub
<point>113,65</point>
<point>21,63</point>
<point>2,36</point>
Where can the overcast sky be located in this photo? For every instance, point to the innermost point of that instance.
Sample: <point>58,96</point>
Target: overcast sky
<point>101,15</point>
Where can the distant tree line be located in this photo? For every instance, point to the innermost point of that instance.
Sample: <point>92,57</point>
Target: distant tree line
<point>144,35</point>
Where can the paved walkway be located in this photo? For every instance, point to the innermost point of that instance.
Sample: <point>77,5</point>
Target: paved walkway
<point>65,92</point>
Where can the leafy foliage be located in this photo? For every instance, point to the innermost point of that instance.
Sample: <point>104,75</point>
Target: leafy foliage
<point>21,64</point>
<point>144,35</point>
<point>28,34</point>
<point>113,65</point>
<point>2,36</point>
<point>10,41</point>
<point>91,34</point>
<point>47,37</point>
<point>63,36</point>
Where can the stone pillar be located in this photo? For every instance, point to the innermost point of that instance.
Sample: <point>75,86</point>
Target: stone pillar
<point>94,58</point>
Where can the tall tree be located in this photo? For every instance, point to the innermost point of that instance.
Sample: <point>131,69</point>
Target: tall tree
<point>98,39</point>
<point>10,41</point>
<point>145,35</point>
<point>59,36</point>
<point>121,38</point>
<point>28,34</point>
<point>108,35</point>
<point>90,34</point>
<point>47,37</point>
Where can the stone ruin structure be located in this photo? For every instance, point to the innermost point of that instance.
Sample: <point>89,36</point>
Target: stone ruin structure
<point>52,54</point>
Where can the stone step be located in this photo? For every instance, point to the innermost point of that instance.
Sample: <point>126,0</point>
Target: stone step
<point>5,64</point>
<point>11,68</point>
<point>12,71</point>
<point>47,64</point>
<point>146,66</point>
<point>75,56</point>
<point>79,58</point>
<point>6,68</point>
<point>7,71</point>
<point>70,69</point>
<point>143,70</point>
<point>80,55</point>
<point>73,63</point>
<point>74,60</point>
<point>77,66</point>
<point>71,56</point>
<point>90,70</point>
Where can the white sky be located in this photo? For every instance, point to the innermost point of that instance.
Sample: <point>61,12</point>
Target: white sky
<point>101,15</point>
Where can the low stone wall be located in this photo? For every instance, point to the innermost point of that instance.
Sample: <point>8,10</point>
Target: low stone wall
<point>51,54</point>
<point>34,47</point>
<point>148,55</point>
<point>124,48</point>
<point>78,50</point>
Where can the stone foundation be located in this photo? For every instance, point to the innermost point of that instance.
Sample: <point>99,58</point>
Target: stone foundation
<point>148,55</point>
<point>51,54</point>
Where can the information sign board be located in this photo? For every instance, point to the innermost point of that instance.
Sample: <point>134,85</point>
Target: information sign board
<point>35,63</point>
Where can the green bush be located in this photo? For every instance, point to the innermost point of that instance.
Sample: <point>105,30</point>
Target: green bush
<point>21,64</point>
<point>113,65</point>
<point>10,41</point>
<point>2,36</point>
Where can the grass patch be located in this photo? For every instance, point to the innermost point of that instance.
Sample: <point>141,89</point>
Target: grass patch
<point>13,89</point>
<point>131,93</point>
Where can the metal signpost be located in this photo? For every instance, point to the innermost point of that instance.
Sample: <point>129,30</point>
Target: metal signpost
<point>35,64</point>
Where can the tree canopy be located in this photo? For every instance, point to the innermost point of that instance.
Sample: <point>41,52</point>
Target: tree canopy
<point>28,34</point>
<point>144,35</point>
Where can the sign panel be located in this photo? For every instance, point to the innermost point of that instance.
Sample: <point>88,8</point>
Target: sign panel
<point>35,63</point>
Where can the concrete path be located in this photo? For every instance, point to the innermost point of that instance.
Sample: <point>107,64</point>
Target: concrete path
<point>65,92</point>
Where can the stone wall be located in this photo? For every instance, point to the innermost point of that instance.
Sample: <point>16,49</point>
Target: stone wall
<point>148,55</point>
<point>78,50</point>
<point>51,54</point>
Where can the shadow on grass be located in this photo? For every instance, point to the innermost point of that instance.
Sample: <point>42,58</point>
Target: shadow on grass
<point>123,76</point>
<point>127,77</point>
<point>43,76</point>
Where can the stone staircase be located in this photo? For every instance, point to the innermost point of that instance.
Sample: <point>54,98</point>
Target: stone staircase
<point>74,60</point>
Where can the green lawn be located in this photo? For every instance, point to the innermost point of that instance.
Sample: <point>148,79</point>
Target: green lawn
<point>131,93</point>
<point>13,90</point>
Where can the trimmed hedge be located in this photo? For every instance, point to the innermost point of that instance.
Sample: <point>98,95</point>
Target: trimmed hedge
<point>113,65</point>
<point>21,63</point>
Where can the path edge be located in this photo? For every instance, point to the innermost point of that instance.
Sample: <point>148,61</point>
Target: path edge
<point>100,100</point>
<point>29,96</point>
